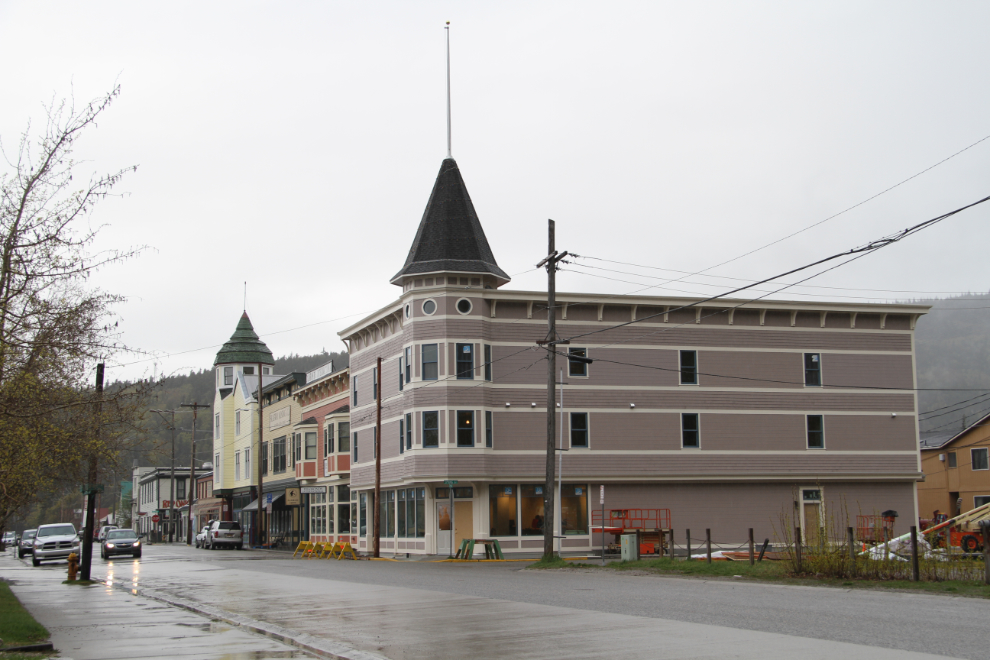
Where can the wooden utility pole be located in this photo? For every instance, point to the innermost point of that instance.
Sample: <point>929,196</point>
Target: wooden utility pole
<point>376,541</point>
<point>90,488</point>
<point>550,261</point>
<point>258,458</point>
<point>191,491</point>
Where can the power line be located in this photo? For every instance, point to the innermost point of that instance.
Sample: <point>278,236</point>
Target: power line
<point>836,215</point>
<point>856,253</point>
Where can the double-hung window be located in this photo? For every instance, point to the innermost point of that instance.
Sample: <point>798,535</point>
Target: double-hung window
<point>237,466</point>
<point>328,439</point>
<point>264,459</point>
<point>355,447</point>
<point>465,428</point>
<point>978,456</point>
<point>689,367</point>
<point>816,432</point>
<point>228,375</point>
<point>574,367</point>
<point>278,455</point>
<point>579,429</point>
<point>952,459</point>
<point>311,446</point>
<point>488,362</point>
<point>402,435</point>
<point>690,433</point>
<point>247,463</point>
<point>813,369</point>
<point>343,437</point>
<point>374,384</point>
<point>409,431</point>
<point>431,429</point>
<point>431,367</point>
<point>354,390</point>
<point>409,364</point>
<point>465,361</point>
<point>237,422</point>
<point>216,427</point>
<point>489,431</point>
<point>402,376</point>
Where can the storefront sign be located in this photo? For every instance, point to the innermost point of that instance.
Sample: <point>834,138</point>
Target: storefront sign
<point>167,504</point>
<point>292,497</point>
<point>602,495</point>
<point>312,490</point>
<point>279,418</point>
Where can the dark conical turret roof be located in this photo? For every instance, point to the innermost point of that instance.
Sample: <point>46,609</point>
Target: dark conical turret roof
<point>450,237</point>
<point>244,346</point>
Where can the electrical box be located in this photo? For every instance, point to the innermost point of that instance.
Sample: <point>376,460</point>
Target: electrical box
<point>630,548</point>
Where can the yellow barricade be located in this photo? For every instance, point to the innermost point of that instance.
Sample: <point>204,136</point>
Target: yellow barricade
<point>329,549</point>
<point>314,551</point>
<point>303,546</point>
<point>344,549</point>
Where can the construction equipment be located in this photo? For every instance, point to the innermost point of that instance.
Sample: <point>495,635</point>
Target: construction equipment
<point>652,526</point>
<point>964,530</point>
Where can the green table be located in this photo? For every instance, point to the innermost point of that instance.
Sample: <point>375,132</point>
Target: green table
<point>492,549</point>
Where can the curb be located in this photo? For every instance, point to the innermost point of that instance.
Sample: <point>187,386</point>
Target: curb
<point>310,643</point>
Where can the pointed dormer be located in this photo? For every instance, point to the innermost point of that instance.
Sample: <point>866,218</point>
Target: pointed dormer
<point>242,353</point>
<point>450,242</point>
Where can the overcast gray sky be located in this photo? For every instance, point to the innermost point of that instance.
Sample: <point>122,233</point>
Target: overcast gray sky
<point>294,145</point>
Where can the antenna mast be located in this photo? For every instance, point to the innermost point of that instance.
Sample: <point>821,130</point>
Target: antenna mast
<point>446,29</point>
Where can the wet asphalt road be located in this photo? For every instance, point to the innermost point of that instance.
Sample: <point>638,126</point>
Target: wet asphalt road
<point>423,609</point>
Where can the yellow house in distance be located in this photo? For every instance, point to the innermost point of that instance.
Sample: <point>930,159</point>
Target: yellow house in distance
<point>957,472</point>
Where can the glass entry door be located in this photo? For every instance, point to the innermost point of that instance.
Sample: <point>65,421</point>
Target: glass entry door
<point>443,528</point>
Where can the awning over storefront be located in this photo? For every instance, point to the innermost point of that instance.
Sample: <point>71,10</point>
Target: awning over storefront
<point>253,506</point>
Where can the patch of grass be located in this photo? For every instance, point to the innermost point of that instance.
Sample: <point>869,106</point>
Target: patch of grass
<point>17,626</point>
<point>553,561</point>
<point>778,571</point>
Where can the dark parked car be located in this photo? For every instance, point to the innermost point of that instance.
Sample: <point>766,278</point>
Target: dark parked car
<point>224,532</point>
<point>120,542</point>
<point>26,545</point>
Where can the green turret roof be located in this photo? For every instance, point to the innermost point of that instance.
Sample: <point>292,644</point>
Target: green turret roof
<point>244,346</point>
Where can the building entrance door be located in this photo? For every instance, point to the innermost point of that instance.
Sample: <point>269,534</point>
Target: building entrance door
<point>463,522</point>
<point>812,517</point>
<point>443,528</point>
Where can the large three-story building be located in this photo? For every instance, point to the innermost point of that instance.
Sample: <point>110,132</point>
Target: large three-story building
<point>731,414</point>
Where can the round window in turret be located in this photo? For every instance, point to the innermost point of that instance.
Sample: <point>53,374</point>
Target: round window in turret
<point>429,307</point>
<point>464,306</point>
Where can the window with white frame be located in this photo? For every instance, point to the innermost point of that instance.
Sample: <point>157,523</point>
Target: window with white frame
<point>431,429</point>
<point>402,376</point>
<point>575,367</point>
<point>237,466</point>
<point>579,429</point>
<point>465,361</point>
<point>816,432</point>
<point>489,429</point>
<point>409,351</point>
<point>310,445</point>
<point>228,375</point>
<point>343,437</point>
<point>488,362</point>
<point>354,447</point>
<point>465,428</point>
<point>408,431</point>
<point>318,512</point>
<point>978,458</point>
<point>237,422</point>
<point>216,468</point>
<point>247,463</point>
<point>689,367</point>
<point>216,426</point>
<point>354,391</point>
<point>813,369</point>
<point>690,431</point>
<point>431,365</point>
<point>402,435</point>
<point>278,455</point>
<point>374,384</point>
<point>327,438</point>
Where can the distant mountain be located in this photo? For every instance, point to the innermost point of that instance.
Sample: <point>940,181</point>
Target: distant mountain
<point>952,352</point>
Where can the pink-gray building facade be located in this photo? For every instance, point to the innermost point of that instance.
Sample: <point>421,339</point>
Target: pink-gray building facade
<point>730,414</point>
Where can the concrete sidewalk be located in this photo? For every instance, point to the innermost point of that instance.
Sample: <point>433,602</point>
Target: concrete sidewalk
<point>103,622</point>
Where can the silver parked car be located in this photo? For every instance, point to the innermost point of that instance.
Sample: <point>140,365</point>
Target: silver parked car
<point>56,541</point>
<point>26,545</point>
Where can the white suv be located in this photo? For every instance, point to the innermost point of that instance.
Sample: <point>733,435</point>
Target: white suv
<point>224,532</point>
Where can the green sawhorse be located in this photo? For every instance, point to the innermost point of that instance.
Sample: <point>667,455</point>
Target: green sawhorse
<point>492,549</point>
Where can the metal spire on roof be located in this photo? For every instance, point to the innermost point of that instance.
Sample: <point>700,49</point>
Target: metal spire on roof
<point>446,29</point>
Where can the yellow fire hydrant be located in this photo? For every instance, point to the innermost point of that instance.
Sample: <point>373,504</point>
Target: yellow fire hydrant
<point>73,566</point>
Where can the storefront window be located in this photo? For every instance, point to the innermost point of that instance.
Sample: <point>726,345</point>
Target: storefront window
<point>502,510</point>
<point>574,508</point>
<point>531,498</point>
<point>318,513</point>
<point>363,515</point>
<point>390,500</point>
<point>401,514</point>
<point>344,517</point>
<point>420,512</point>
